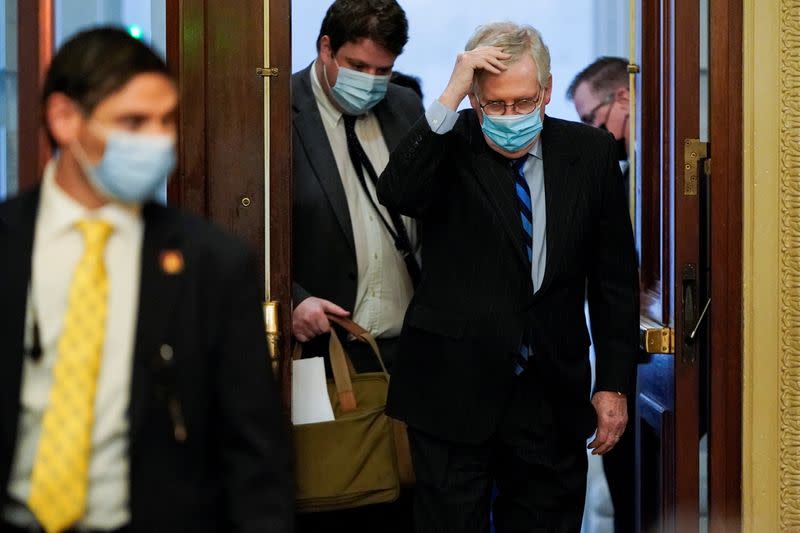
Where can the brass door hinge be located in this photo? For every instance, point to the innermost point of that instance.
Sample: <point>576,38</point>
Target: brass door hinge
<point>696,162</point>
<point>267,72</point>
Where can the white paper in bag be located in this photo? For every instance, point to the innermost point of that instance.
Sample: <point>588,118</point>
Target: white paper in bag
<point>310,401</point>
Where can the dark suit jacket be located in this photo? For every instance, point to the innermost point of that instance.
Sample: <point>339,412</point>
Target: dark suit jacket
<point>232,473</point>
<point>323,248</point>
<point>475,302</point>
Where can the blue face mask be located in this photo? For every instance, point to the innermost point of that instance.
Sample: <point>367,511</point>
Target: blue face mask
<point>134,168</point>
<point>357,92</point>
<point>513,132</point>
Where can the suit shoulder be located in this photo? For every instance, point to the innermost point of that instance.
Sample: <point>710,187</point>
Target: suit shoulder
<point>578,132</point>
<point>404,96</point>
<point>14,207</point>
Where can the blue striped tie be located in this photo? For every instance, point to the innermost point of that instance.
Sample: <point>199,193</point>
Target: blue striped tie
<point>526,216</point>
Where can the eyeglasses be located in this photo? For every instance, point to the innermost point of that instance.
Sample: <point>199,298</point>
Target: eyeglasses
<point>523,106</point>
<point>591,116</point>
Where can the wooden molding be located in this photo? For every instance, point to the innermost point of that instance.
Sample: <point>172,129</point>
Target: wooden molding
<point>789,430</point>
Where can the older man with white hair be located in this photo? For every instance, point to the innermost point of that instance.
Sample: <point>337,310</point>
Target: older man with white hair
<point>524,219</point>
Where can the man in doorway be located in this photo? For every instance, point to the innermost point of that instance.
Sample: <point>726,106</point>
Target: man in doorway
<point>135,393</point>
<point>602,99</point>
<point>601,96</point>
<point>524,216</point>
<point>352,256</point>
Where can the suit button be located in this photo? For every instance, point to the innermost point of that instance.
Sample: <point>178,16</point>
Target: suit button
<point>351,276</point>
<point>166,352</point>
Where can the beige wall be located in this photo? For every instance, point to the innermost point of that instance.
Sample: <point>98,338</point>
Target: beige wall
<point>771,397</point>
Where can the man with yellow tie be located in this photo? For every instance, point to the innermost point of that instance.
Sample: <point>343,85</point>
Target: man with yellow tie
<point>135,394</point>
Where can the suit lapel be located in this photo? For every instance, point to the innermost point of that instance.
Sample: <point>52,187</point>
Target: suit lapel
<point>16,249</point>
<point>315,144</point>
<point>394,124</point>
<point>560,195</point>
<point>497,180</point>
<point>159,293</point>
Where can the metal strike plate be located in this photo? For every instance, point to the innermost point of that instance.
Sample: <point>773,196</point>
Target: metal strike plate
<point>655,338</point>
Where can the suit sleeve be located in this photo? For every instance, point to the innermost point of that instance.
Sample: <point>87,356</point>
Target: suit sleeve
<point>613,285</point>
<point>412,180</point>
<point>298,294</point>
<point>253,432</point>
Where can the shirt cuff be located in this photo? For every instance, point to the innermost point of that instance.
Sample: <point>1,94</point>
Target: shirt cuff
<point>440,118</point>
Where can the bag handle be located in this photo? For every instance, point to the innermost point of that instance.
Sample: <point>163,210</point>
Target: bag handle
<point>341,365</point>
<point>361,334</point>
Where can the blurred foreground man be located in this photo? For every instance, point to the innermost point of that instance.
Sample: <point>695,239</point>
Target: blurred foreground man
<point>524,218</point>
<point>135,394</point>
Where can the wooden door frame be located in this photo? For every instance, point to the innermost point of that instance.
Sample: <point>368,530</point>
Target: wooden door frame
<point>726,319</point>
<point>34,18</point>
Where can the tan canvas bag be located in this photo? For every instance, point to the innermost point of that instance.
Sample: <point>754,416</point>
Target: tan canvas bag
<point>362,457</point>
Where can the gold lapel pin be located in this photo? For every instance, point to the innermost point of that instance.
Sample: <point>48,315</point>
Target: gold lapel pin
<point>171,262</point>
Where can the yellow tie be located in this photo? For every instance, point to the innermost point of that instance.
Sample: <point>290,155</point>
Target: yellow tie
<point>60,478</point>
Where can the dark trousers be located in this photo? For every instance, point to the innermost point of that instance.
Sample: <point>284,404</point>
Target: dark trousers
<point>619,466</point>
<point>395,517</point>
<point>538,468</point>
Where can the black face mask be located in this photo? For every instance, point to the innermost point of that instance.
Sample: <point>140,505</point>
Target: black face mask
<point>622,150</point>
<point>622,147</point>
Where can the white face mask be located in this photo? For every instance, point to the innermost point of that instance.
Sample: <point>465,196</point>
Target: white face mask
<point>134,167</point>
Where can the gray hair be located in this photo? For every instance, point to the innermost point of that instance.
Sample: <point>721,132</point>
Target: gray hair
<point>515,40</point>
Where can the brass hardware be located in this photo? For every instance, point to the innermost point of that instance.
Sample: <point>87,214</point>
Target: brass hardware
<point>267,72</point>
<point>633,68</point>
<point>694,152</point>
<point>246,202</point>
<point>655,338</point>
<point>272,327</point>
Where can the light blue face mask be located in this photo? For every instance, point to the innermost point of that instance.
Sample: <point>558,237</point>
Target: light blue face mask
<point>134,168</point>
<point>357,92</point>
<point>512,133</point>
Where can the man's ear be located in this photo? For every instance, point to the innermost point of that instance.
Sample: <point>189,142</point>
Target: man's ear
<point>473,100</point>
<point>63,118</point>
<point>325,49</point>
<point>622,95</point>
<point>548,91</point>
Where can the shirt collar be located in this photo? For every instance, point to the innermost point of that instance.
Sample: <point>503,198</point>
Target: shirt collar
<point>59,212</point>
<point>536,149</point>
<point>326,107</point>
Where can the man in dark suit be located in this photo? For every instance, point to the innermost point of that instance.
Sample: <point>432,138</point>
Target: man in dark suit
<point>135,394</point>
<point>602,99</point>
<point>525,218</point>
<point>351,255</point>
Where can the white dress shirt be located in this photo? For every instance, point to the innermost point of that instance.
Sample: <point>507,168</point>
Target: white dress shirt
<point>384,287</point>
<point>57,248</point>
